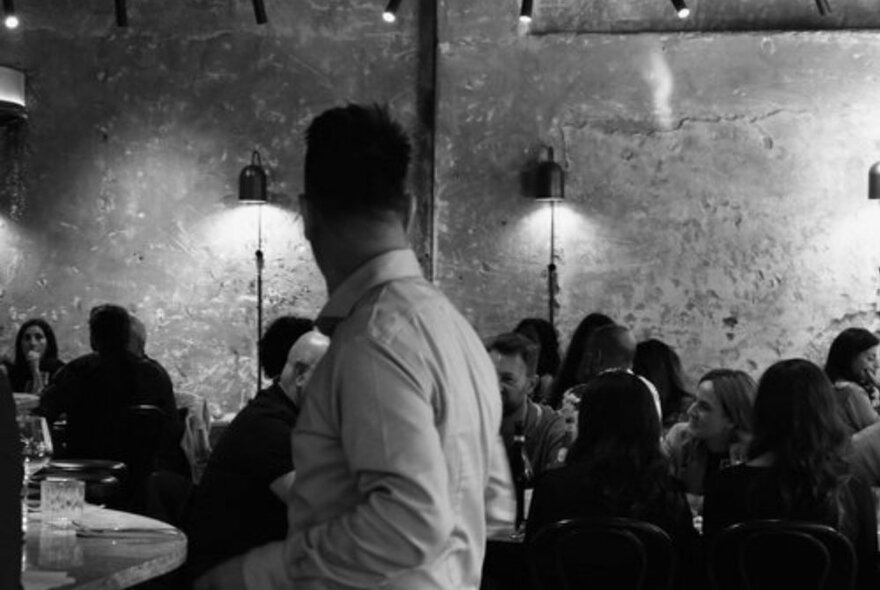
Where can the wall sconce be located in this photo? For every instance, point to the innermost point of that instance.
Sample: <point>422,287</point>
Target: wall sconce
<point>550,188</point>
<point>252,181</point>
<point>525,12</point>
<point>874,181</point>
<point>681,8</point>
<point>252,190</point>
<point>12,99</point>
<point>9,17</point>
<point>390,14</point>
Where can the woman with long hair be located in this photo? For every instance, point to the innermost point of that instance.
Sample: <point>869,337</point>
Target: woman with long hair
<point>568,370</point>
<point>718,429</point>
<point>36,357</point>
<point>657,362</point>
<point>852,367</point>
<point>616,466</point>
<point>796,468</point>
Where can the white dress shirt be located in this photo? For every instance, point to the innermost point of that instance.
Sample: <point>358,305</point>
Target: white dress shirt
<point>400,465</point>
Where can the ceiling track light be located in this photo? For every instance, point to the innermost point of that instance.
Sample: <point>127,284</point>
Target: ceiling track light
<point>390,14</point>
<point>682,10</point>
<point>10,19</point>
<point>525,12</point>
<point>121,14</point>
<point>824,7</point>
<point>259,12</point>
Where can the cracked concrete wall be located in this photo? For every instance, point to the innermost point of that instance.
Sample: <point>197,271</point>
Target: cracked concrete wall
<point>122,186</point>
<point>716,189</point>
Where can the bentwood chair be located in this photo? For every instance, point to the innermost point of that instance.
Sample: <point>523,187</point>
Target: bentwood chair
<point>601,553</point>
<point>773,554</point>
<point>142,427</point>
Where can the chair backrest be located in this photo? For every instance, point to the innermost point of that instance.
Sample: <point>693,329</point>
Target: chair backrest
<point>597,553</point>
<point>771,554</point>
<point>142,432</point>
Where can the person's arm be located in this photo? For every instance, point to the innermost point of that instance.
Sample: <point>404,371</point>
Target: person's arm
<point>392,446</point>
<point>500,495</point>
<point>858,408</point>
<point>555,443</point>
<point>57,396</point>
<point>11,474</point>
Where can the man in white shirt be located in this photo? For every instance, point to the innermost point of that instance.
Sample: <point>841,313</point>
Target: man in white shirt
<point>397,448</point>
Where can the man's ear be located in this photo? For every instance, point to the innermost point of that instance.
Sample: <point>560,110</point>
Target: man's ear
<point>533,382</point>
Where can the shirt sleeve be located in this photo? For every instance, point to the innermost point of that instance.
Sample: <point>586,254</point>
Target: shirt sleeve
<point>858,409</point>
<point>500,496</point>
<point>389,436</point>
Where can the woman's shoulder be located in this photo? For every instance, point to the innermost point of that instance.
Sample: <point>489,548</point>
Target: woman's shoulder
<point>845,388</point>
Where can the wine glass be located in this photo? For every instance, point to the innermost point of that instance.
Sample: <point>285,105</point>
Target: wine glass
<point>36,448</point>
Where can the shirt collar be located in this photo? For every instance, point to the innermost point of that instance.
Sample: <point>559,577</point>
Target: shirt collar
<point>395,264</point>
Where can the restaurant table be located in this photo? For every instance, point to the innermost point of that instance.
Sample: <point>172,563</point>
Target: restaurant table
<point>110,550</point>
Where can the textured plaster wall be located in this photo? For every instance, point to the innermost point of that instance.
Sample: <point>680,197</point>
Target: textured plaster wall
<point>122,186</point>
<point>716,182</point>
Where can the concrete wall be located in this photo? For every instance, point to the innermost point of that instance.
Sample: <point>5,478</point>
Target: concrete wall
<point>122,187</point>
<point>716,182</point>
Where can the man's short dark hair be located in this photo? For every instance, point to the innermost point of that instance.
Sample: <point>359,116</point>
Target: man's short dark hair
<point>277,340</point>
<point>356,162</point>
<point>109,329</point>
<point>511,343</point>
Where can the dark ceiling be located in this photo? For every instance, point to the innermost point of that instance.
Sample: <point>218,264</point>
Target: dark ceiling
<point>632,16</point>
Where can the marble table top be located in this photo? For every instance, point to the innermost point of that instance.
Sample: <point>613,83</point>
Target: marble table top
<point>111,550</point>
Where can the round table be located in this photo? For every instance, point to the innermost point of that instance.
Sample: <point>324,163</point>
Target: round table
<point>112,550</point>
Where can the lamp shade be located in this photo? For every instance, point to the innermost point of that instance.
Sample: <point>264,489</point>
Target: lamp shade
<point>874,181</point>
<point>12,100</point>
<point>252,181</point>
<point>550,180</point>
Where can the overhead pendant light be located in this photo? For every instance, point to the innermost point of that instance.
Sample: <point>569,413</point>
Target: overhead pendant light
<point>390,14</point>
<point>259,12</point>
<point>10,19</point>
<point>121,14</point>
<point>525,12</point>
<point>681,9</point>
<point>824,7</point>
<point>874,181</point>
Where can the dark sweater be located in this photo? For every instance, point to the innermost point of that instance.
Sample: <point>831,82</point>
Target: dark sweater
<point>11,474</point>
<point>233,508</point>
<point>744,493</point>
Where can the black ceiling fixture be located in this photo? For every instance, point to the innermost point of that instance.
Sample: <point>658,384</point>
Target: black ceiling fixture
<point>259,12</point>
<point>121,14</point>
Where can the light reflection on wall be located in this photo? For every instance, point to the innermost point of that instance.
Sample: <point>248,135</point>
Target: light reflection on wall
<point>575,232</point>
<point>232,233</point>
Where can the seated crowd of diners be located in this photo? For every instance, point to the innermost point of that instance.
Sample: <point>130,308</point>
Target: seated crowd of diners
<point>611,429</point>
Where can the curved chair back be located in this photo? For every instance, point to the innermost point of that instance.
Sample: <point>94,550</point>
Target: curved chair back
<point>598,553</point>
<point>142,433</point>
<point>771,554</point>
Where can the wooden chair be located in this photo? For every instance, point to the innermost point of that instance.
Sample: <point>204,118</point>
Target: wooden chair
<point>601,553</point>
<point>772,554</point>
<point>143,426</point>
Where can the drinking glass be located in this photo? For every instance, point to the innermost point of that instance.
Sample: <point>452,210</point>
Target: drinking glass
<point>36,451</point>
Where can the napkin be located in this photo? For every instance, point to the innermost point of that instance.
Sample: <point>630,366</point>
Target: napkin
<point>43,580</point>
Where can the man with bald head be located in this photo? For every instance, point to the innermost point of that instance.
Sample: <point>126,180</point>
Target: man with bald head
<point>239,502</point>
